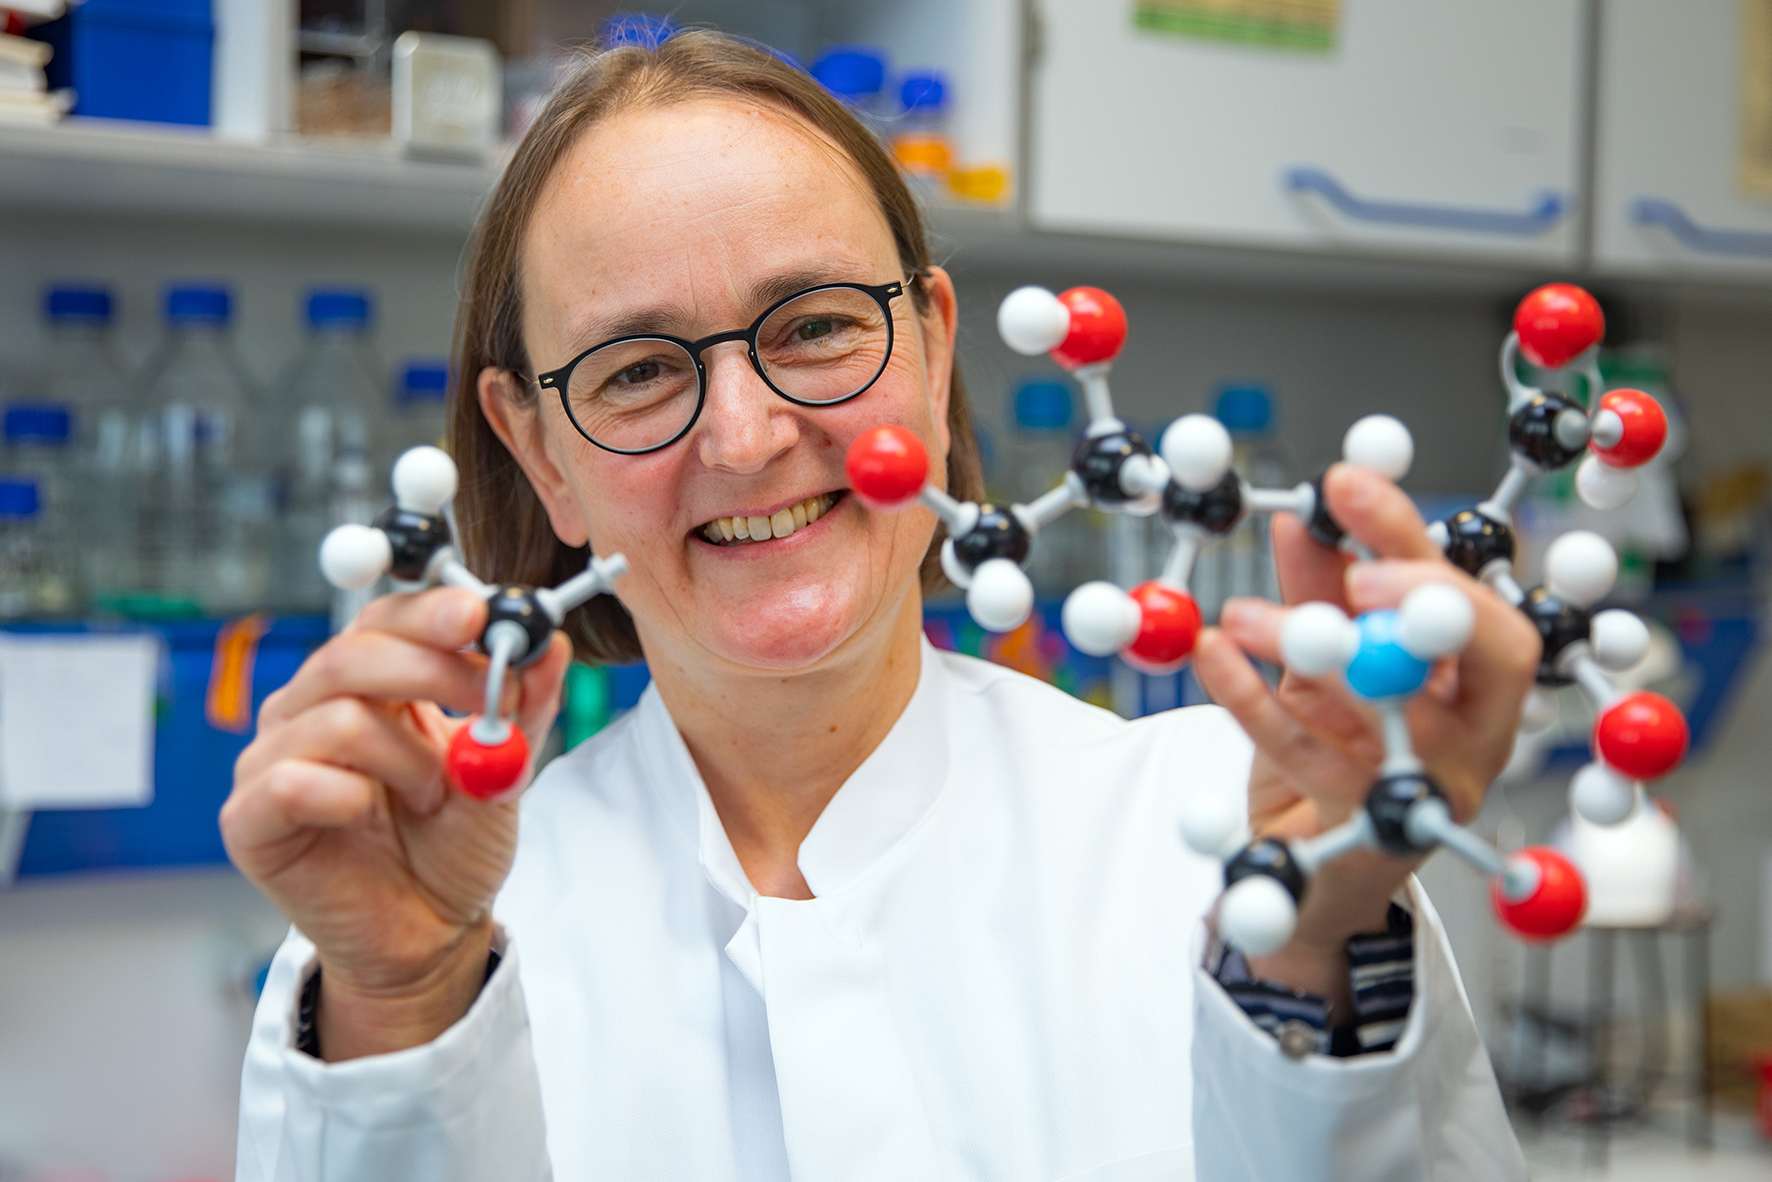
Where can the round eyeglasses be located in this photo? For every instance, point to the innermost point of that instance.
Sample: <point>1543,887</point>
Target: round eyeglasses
<point>818,347</point>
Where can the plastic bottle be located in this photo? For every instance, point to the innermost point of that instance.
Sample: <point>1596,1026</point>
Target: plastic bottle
<point>39,448</point>
<point>81,371</point>
<point>857,75</point>
<point>920,140</point>
<point>205,508</point>
<point>32,581</point>
<point>1243,563</point>
<point>326,401</point>
<point>1069,550</point>
<point>420,406</point>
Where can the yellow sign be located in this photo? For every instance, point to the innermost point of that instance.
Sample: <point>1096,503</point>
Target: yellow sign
<point>1307,25</point>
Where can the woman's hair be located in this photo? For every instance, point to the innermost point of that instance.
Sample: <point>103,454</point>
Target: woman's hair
<point>504,529</point>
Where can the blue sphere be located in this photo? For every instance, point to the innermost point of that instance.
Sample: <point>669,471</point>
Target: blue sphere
<point>1383,668</point>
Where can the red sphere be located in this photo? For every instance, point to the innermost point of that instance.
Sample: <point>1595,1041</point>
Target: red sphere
<point>483,771</point>
<point>1558,323</point>
<point>1168,625</point>
<point>1645,428</point>
<point>887,467</point>
<point>1643,735</point>
<point>1098,328</point>
<point>1554,908</point>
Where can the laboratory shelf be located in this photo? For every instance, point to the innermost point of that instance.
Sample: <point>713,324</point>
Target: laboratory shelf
<point>149,171</point>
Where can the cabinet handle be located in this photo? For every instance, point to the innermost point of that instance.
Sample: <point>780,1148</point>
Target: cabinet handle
<point>1550,210</point>
<point>1653,211</point>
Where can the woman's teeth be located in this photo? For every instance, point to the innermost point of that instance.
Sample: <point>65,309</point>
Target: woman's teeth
<point>731,530</point>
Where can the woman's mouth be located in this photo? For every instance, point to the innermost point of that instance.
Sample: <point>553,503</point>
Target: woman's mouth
<point>748,531</point>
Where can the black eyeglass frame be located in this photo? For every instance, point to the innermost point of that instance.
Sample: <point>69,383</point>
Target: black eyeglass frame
<point>558,379</point>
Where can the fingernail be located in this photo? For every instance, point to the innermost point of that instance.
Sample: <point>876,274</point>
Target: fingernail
<point>1368,580</point>
<point>460,613</point>
<point>1236,614</point>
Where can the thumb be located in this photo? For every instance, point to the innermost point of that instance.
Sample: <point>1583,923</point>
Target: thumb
<point>540,685</point>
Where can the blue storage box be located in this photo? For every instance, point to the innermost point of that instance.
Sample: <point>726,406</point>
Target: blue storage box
<point>134,59</point>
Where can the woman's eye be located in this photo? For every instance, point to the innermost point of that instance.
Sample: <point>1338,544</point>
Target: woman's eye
<point>633,375</point>
<point>813,329</point>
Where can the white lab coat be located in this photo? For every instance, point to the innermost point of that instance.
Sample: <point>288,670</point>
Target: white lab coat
<point>999,980</point>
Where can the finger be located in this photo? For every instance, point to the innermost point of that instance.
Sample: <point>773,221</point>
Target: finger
<point>1307,569</point>
<point>541,685</point>
<point>1323,703</point>
<point>366,663</point>
<point>442,617</point>
<point>1318,769</point>
<point>1376,512</point>
<point>364,737</point>
<point>288,798</point>
<point>1496,667</point>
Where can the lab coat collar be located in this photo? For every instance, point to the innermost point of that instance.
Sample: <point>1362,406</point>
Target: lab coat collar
<point>881,803</point>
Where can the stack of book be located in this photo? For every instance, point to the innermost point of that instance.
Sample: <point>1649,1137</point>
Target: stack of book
<point>24,95</point>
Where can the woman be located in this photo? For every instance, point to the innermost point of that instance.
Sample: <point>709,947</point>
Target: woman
<point>828,904</point>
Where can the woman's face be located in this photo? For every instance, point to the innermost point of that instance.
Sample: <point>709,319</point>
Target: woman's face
<point>690,220</point>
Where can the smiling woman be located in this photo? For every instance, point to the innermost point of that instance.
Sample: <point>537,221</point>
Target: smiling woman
<point>827,904</point>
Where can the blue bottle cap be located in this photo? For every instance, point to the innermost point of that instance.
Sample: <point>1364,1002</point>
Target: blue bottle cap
<point>346,306</point>
<point>18,498</point>
<point>1244,408</point>
<point>77,305</point>
<point>197,305</point>
<point>1043,406</point>
<point>37,424</point>
<point>648,30</point>
<point>423,381</point>
<point>852,71</point>
<point>923,91</point>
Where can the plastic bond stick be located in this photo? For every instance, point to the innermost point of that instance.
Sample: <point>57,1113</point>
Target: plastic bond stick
<point>413,544</point>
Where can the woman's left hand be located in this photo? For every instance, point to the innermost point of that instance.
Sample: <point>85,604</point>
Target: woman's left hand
<point>1318,750</point>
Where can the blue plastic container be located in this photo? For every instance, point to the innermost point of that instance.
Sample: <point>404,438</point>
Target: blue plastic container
<point>134,59</point>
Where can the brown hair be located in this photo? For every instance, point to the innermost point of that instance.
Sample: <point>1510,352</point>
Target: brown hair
<point>504,529</point>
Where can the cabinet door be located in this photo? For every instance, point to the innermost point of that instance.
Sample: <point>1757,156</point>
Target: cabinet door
<point>1675,170</point>
<point>1443,129</point>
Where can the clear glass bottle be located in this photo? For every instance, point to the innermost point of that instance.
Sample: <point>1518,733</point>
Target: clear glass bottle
<point>419,413</point>
<point>38,447</point>
<point>857,75</point>
<point>920,139</point>
<point>204,518</point>
<point>326,404</point>
<point>82,371</point>
<point>32,581</point>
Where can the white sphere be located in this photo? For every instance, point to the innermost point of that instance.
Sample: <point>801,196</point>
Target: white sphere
<point>1257,915</point>
<point>1197,449</point>
<point>424,479</point>
<point>1212,823</point>
<point>1438,534</point>
<point>354,556</point>
<point>1601,485</point>
<point>1380,443</point>
<point>1317,638</point>
<point>1000,596</point>
<point>1602,796</point>
<point>1579,567</point>
<point>1539,713</point>
<point>1032,321</point>
<point>1100,619</point>
<point>1436,619</point>
<point>1619,638</point>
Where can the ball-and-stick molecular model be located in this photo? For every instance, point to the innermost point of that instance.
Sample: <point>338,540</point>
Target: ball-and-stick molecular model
<point>1153,627</point>
<point>413,543</point>
<point>1558,328</point>
<point>1384,657</point>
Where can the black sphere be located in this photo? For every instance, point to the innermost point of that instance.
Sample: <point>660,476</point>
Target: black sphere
<point>1474,540</point>
<point>1560,624</point>
<point>1270,858</point>
<point>1324,528</point>
<point>414,538</point>
<point>1532,431</point>
<point>1097,463</point>
<point>1388,804</point>
<point>1217,510</point>
<point>519,605</point>
<point>997,535</point>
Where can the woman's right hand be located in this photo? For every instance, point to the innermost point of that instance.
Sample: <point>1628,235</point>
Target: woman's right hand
<point>340,813</point>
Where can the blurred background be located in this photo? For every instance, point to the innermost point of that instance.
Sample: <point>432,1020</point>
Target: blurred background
<point>230,241</point>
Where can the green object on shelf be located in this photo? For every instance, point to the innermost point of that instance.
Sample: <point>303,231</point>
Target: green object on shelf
<point>588,700</point>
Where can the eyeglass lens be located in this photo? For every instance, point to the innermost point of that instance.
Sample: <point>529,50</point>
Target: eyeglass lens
<point>819,348</point>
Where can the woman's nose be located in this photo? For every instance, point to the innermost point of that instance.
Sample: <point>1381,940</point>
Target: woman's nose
<point>745,424</point>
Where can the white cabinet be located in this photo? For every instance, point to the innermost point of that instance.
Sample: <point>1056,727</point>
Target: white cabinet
<point>1669,199</point>
<point>1448,129</point>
